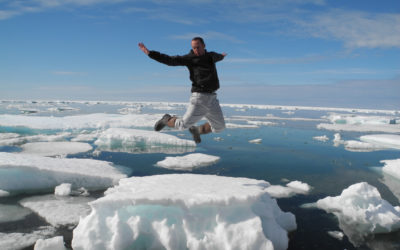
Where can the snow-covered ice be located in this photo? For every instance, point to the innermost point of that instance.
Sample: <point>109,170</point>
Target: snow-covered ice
<point>361,211</point>
<point>142,141</point>
<point>292,188</point>
<point>188,162</point>
<point>30,173</point>
<point>321,138</point>
<point>55,243</point>
<point>89,121</point>
<point>256,141</point>
<point>336,234</point>
<point>58,210</point>
<point>4,193</point>
<point>183,211</point>
<point>12,241</point>
<point>55,148</point>
<point>64,189</point>
<point>383,140</point>
<point>392,167</point>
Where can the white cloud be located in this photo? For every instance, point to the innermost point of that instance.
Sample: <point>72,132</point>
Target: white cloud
<point>355,29</point>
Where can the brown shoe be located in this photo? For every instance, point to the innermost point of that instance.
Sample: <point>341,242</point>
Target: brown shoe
<point>195,133</point>
<point>160,124</point>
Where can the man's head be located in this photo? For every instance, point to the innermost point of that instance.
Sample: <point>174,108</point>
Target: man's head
<point>198,46</point>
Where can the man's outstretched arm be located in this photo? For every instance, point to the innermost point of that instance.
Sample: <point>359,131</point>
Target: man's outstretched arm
<point>166,59</point>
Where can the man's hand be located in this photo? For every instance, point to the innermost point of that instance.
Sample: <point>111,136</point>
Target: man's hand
<point>143,48</point>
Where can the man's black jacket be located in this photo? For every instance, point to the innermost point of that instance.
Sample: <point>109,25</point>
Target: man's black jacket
<point>203,72</point>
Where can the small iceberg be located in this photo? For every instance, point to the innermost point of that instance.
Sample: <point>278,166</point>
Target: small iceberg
<point>188,162</point>
<point>185,211</point>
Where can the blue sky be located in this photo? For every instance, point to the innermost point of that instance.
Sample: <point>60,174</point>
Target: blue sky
<point>294,52</point>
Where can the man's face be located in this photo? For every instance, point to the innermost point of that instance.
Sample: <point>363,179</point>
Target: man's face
<point>198,48</point>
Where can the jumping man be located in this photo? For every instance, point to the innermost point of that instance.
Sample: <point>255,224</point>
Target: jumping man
<point>203,101</point>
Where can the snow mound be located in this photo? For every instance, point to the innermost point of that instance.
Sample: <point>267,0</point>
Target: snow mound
<point>185,211</point>
<point>56,243</point>
<point>142,141</point>
<point>58,211</point>
<point>392,167</point>
<point>361,211</point>
<point>188,162</point>
<point>55,148</point>
<point>30,173</point>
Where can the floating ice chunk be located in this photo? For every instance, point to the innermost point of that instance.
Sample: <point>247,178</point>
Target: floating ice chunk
<point>256,141</point>
<point>142,141</point>
<point>63,189</point>
<point>85,137</point>
<point>188,162</point>
<point>383,140</point>
<point>12,241</point>
<point>233,125</point>
<point>357,146</point>
<point>12,213</point>
<point>93,121</point>
<point>55,243</point>
<point>321,138</point>
<point>183,211</point>
<point>337,140</point>
<point>4,193</point>
<point>30,173</point>
<point>358,119</point>
<point>392,167</point>
<point>19,140</point>
<point>58,210</point>
<point>336,234</point>
<point>55,148</point>
<point>361,211</point>
<point>387,128</point>
<point>262,123</point>
<point>291,189</point>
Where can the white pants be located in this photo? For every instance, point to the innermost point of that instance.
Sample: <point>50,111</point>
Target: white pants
<point>202,105</point>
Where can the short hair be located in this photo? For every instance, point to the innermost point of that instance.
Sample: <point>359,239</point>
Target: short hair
<point>197,38</point>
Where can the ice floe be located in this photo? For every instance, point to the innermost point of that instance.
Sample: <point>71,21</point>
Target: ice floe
<point>392,167</point>
<point>291,189</point>
<point>19,140</point>
<point>55,243</point>
<point>361,211</point>
<point>256,141</point>
<point>64,189</point>
<point>59,210</point>
<point>31,173</point>
<point>12,241</point>
<point>383,140</point>
<point>188,162</point>
<point>336,234</point>
<point>55,148</point>
<point>184,211</point>
<point>321,138</point>
<point>142,141</point>
<point>89,121</point>
<point>233,125</point>
<point>4,193</point>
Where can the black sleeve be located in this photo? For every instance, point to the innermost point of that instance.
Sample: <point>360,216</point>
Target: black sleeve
<point>169,60</point>
<point>216,57</point>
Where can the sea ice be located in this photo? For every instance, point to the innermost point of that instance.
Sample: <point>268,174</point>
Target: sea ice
<point>31,173</point>
<point>4,193</point>
<point>292,188</point>
<point>336,234</point>
<point>233,125</point>
<point>55,243</point>
<point>383,140</point>
<point>358,146</point>
<point>392,167</point>
<point>142,141</point>
<point>64,189</point>
<point>188,162</point>
<point>12,241</point>
<point>256,141</point>
<point>321,138</point>
<point>55,148</point>
<point>181,211</point>
<point>59,210</point>
<point>361,211</point>
<point>89,121</point>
